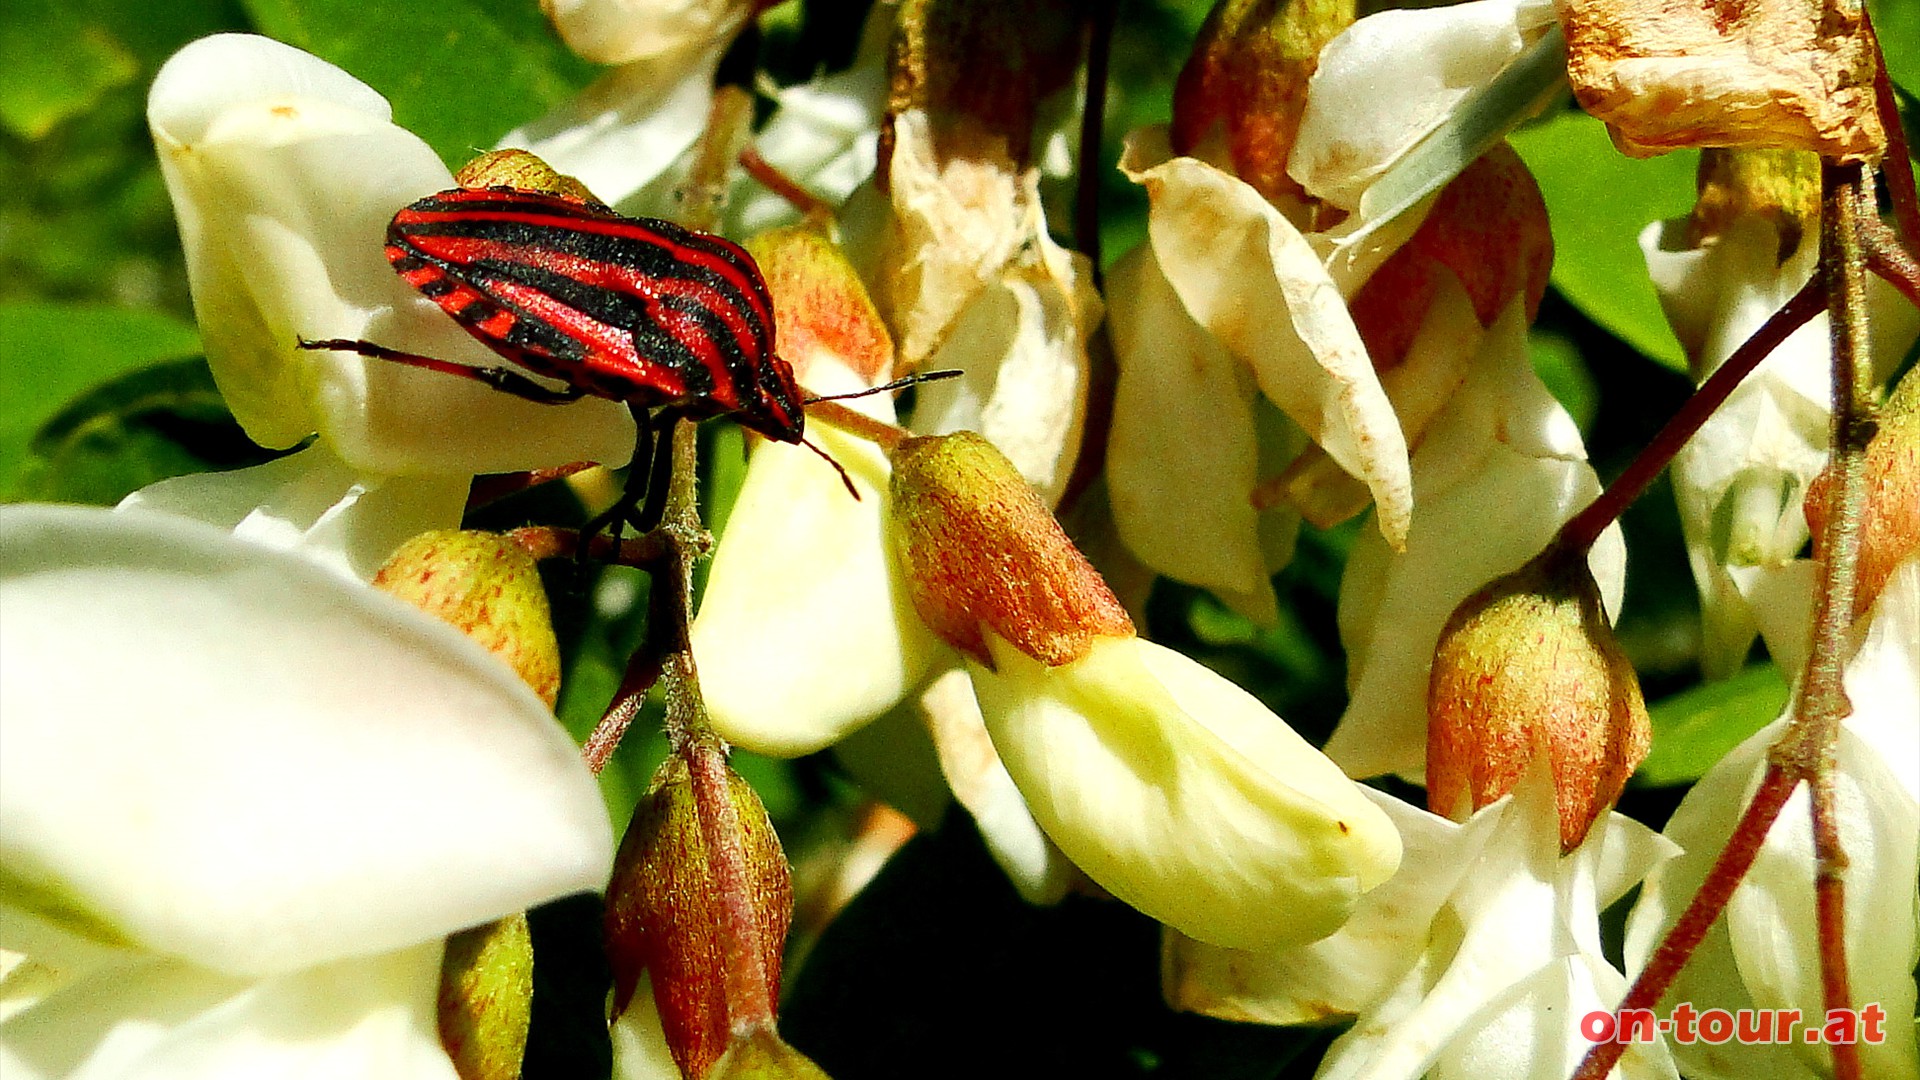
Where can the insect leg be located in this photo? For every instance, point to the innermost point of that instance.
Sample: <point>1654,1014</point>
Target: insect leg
<point>648,453</point>
<point>502,379</point>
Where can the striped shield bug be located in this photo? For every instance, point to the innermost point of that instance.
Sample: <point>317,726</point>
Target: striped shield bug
<point>666,319</point>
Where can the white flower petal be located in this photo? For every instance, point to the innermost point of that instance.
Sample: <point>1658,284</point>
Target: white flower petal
<point>1497,473</point>
<point>623,135</point>
<point>1182,410</point>
<point>284,172</point>
<point>1432,58</point>
<point>805,632</point>
<point>1021,343</point>
<point>1248,276</point>
<point>162,1019</point>
<point>1764,952</point>
<point>1182,795</point>
<point>227,755</point>
<point>312,503</point>
<point>619,31</point>
<point>1354,968</point>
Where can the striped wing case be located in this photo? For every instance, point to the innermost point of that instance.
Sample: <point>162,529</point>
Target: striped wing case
<point>632,309</point>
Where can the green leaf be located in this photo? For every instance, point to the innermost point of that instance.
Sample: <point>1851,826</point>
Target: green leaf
<point>1695,728</point>
<point>148,425</point>
<point>460,73</point>
<point>1598,201</point>
<point>50,353</point>
<point>1897,22</point>
<point>58,62</point>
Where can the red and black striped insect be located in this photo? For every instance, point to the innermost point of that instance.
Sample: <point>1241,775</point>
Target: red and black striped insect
<point>664,318</point>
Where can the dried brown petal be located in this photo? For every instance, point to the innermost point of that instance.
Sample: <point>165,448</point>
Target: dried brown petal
<point>1663,74</point>
<point>1890,522</point>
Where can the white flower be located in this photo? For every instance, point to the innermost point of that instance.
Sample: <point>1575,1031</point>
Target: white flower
<point>243,803</point>
<point>1763,953</point>
<point>1740,480</point>
<point>1474,962</point>
<point>1500,468</point>
<point>284,172</point>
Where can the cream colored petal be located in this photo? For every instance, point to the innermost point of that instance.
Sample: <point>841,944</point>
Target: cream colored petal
<point>1247,275</point>
<point>805,632</point>
<point>621,31</point>
<point>1182,459</point>
<point>1499,470</point>
<point>1432,58</point>
<point>313,504</point>
<point>280,769</point>
<point>1182,795</point>
<point>952,229</point>
<point>161,1019</point>
<point>1351,970</point>
<point>284,172</point>
<point>626,135</point>
<point>1021,345</point>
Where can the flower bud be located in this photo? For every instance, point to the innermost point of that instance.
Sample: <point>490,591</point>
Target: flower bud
<point>1890,519</point>
<point>488,588</point>
<point>981,552</point>
<point>710,939</point>
<point>1246,84</point>
<point>486,998</point>
<point>820,305</point>
<point>1527,664</point>
<point>523,170</point>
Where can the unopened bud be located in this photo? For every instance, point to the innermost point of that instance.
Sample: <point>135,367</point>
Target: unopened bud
<point>486,998</point>
<point>980,551</point>
<point>521,169</point>
<point>489,589</point>
<point>763,1055</point>
<point>1488,230</point>
<point>1781,187</point>
<point>1246,85</point>
<point>1528,665</point>
<point>821,306</point>
<point>1890,518</point>
<point>710,937</point>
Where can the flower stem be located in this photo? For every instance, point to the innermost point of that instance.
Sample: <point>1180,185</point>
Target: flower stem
<point>1732,864</point>
<point>770,177</point>
<point>1580,531</point>
<point>1093,112</point>
<point>1805,751</point>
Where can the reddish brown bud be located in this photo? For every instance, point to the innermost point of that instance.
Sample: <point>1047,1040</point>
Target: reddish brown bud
<point>700,902</point>
<point>1527,664</point>
<point>488,588</point>
<point>820,304</point>
<point>520,169</point>
<point>1488,229</point>
<point>1890,520</point>
<point>486,998</point>
<point>981,552</point>
<point>1245,86</point>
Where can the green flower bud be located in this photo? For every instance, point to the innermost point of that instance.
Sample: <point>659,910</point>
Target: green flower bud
<point>488,588</point>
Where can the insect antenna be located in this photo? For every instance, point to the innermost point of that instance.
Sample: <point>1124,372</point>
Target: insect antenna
<point>898,384</point>
<point>828,458</point>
